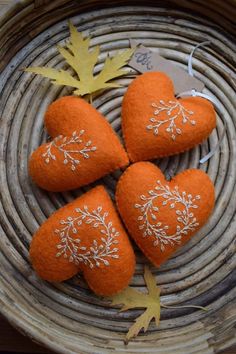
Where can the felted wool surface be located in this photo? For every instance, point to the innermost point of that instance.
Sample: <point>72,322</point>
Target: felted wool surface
<point>84,147</point>
<point>85,235</point>
<point>162,216</point>
<point>156,124</point>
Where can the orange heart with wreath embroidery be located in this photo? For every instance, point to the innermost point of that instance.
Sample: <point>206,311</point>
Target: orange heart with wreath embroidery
<point>162,216</point>
<point>156,124</point>
<point>85,235</point>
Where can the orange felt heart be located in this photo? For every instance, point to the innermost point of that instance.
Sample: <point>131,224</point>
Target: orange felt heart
<point>156,124</point>
<point>161,216</point>
<point>84,147</point>
<point>85,235</point>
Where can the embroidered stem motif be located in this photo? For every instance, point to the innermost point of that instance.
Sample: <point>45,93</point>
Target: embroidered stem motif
<point>65,146</point>
<point>100,251</point>
<point>173,110</point>
<point>186,219</point>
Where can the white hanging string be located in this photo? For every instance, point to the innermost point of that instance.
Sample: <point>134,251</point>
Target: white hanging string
<point>195,93</point>
<point>190,58</point>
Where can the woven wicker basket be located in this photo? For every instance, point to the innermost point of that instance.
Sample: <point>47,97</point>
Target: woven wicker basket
<point>67,317</point>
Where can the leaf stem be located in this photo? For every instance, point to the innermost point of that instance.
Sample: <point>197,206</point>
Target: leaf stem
<point>185,306</point>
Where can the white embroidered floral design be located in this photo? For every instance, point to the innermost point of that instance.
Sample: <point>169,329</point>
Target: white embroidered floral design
<point>100,251</point>
<point>149,220</point>
<point>68,146</point>
<point>173,110</point>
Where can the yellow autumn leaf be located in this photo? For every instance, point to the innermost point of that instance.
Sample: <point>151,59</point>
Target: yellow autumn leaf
<point>82,61</point>
<point>131,298</point>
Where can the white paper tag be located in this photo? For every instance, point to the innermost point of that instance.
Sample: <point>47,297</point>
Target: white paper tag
<point>144,60</point>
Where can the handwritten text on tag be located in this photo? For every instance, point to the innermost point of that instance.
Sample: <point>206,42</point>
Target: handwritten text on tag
<point>145,60</point>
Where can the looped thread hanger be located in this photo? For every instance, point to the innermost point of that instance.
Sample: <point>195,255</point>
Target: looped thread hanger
<point>195,93</point>
<point>190,58</point>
